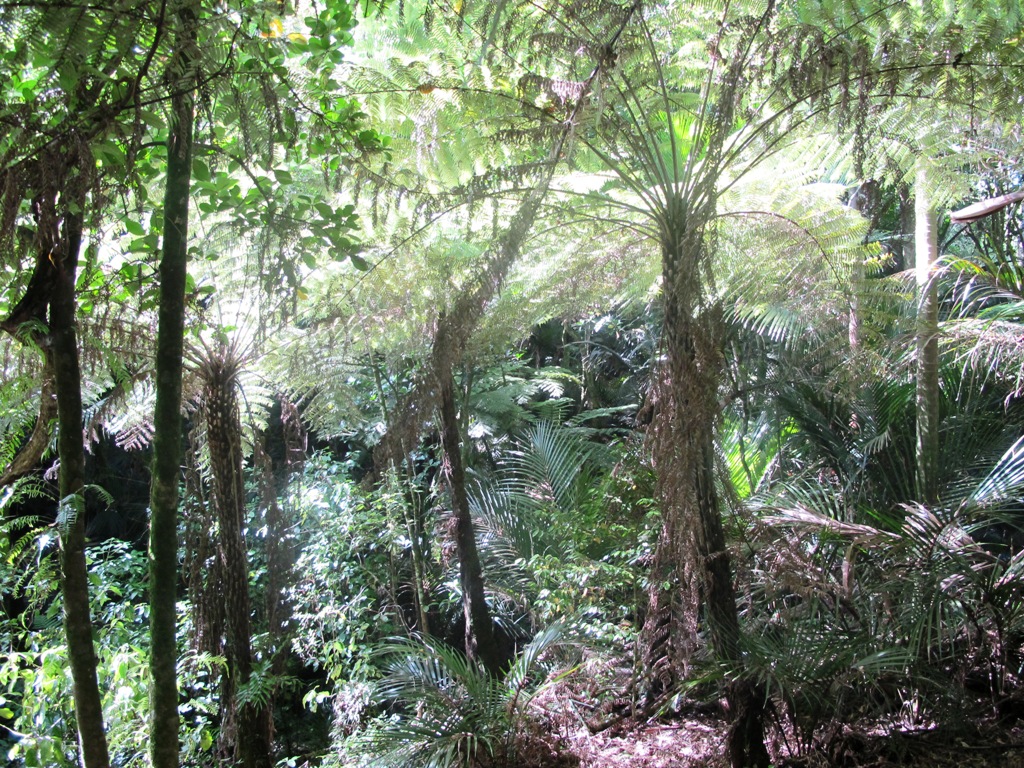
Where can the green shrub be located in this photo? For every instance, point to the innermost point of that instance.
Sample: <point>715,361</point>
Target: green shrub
<point>447,711</point>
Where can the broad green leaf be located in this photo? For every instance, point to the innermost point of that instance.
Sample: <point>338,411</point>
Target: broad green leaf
<point>200,170</point>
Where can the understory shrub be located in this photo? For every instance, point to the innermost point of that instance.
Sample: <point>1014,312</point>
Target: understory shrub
<point>442,710</point>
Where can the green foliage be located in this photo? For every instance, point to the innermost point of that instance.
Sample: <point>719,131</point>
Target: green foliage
<point>449,710</point>
<point>895,620</point>
<point>855,596</point>
<point>561,533</point>
<point>37,688</point>
<point>35,681</point>
<point>345,594</point>
<point>17,416</point>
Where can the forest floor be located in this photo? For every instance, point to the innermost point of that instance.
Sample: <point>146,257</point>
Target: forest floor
<point>689,743</point>
<point>697,740</point>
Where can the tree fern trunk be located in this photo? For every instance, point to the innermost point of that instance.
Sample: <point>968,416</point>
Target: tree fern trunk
<point>480,640</point>
<point>202,576</point>
<point>63,247</point>
<point>250,738</point>
<point>927,341</point>
<point>163,527</point>
<point>274,473</point>
<point>685,457</point>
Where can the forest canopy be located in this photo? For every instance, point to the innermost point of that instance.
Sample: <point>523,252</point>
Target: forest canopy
<point>498,384</point>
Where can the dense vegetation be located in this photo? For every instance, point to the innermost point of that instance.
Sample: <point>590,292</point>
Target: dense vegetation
<point>417,383</point>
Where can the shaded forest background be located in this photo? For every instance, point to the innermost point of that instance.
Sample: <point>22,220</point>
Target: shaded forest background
<point>436,384</point>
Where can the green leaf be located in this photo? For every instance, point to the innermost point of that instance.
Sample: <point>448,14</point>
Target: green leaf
<point>200,170</point>
<point>282,176</point>
<point>359,262</point>
<point>134,228</point>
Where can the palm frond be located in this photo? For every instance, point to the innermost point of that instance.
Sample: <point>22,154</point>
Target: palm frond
<point>452,712</point>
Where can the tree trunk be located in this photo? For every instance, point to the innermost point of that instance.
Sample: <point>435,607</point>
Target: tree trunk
<point>481,643</point>
<point>163,527</point>
<point>25,323</point>
<point>62,242</point>
<point>247,729</point>
<point>685,455</point>
<point>927,340</point>
<point>905,250</point>
<point>201,556</point>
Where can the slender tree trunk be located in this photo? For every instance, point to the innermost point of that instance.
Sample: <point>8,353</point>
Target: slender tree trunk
<point>481,643</point>
<point>63,250</point>
<point>52,288</point>
<point>904,252</point>
<point>250,725</point>
<point>453,333</point>
<point>163,527</point>
<point>25,323</point>
<point>927,340</point>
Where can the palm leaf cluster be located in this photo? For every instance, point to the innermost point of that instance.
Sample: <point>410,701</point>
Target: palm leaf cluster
<point>449,711</point>
<point>902,619</point>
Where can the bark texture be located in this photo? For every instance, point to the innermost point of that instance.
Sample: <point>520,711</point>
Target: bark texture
<point>246,728</point>
<point>277,457</point>
<point>693,536</point>
<point>481,643</point>
<point>61,238</point>
<point>163,528</point>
